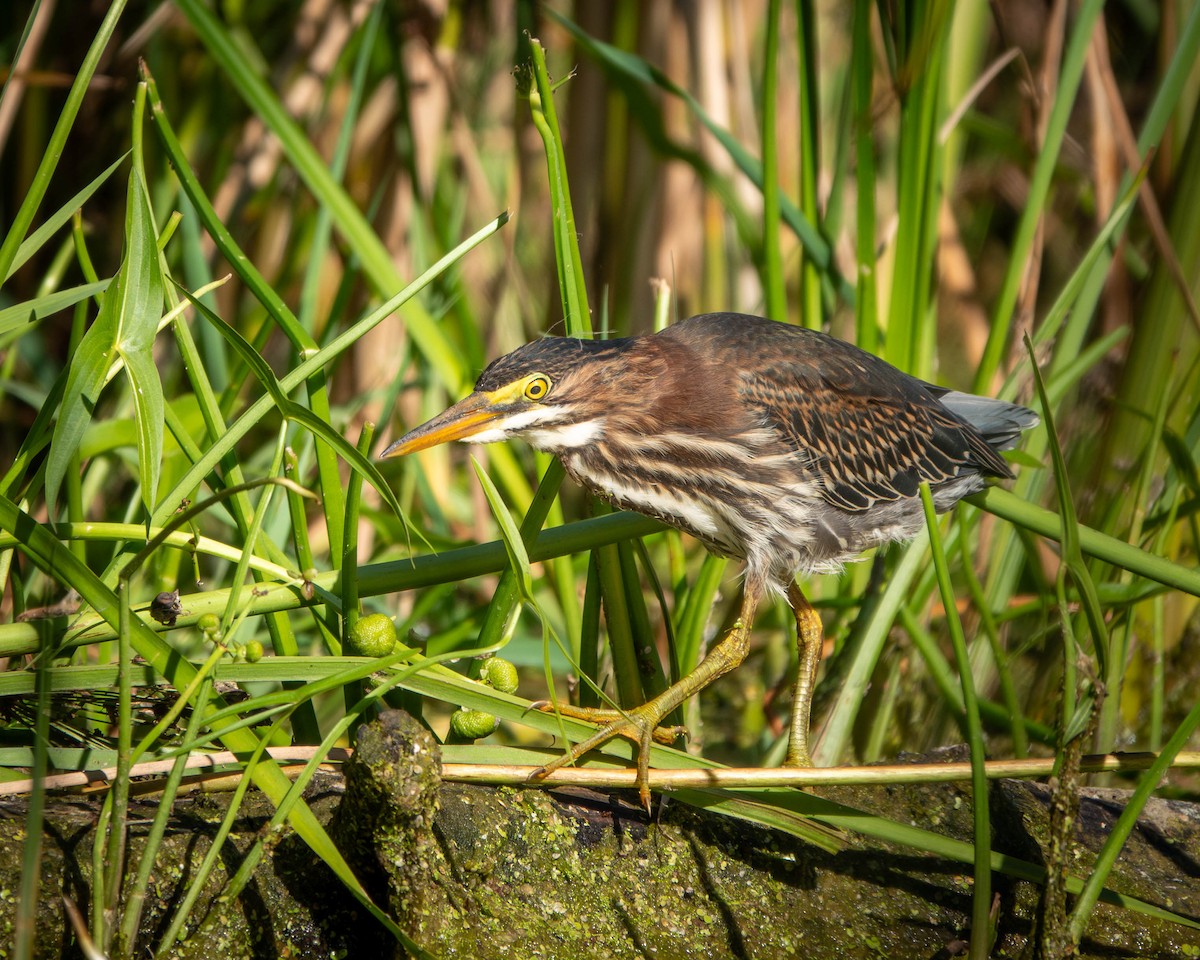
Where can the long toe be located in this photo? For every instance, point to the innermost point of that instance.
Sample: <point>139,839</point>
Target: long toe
<point>621,727</point>
<point>639,725</point>
<point>624,724</point>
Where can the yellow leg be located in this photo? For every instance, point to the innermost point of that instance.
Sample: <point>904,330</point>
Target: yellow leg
<point>640,723</point>
<point>810,638</point>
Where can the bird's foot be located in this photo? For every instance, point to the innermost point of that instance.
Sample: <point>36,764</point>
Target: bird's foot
<point>641,725</point>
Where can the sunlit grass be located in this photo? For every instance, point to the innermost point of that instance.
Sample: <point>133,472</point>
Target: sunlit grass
<point>372,276</point>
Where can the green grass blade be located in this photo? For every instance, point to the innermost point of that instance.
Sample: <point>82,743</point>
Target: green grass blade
<point>571,282</point>
<point>811,313</point>
<point>85,380</point>
<point>31,311</point>
<point>865,175</point>
<point>149,417</point>
<point>136,896</point>
<point>692,613</point>
<point>1039,189</point>
<point>1092,543</point>
<point>510,535</point>
<point>235,612</point>
<point>349,220</point>
<point>361,464</point>
<point>138,321</point>
<point>350,598</point>
<point>836,734</point>
<point>981,893</point>
<point>337,167</point>
<point>256,411</point>
<point>124,329</point>
<point>774,283</point>
<point>263,292</point>
<point>58,140</point>
<point>1072,554</point>
<point>36,240</point>
<point>297,334</point>
<point>504,600</point>
<point>30,23</point>
<point>1012,710</point>
<point>919,195</point>
<point>628,65</point>
<point>242,347</point>
<point>1098,251</point>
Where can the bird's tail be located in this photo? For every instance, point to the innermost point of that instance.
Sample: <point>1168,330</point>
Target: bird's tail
<point>999,423</point>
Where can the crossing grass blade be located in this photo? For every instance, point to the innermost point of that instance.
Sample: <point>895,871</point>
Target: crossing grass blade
<point>23,218</point>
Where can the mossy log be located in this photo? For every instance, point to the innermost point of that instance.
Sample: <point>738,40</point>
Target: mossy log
<point>494,872</point>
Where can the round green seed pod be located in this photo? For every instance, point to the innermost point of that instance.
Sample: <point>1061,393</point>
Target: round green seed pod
<point>254,651</point>
<point>209,623</point>
<point>500,673</point>
<point>472,724</point>
<point>372,636</point>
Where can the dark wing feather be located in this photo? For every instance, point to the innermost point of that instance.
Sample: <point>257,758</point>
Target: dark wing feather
<point>866,431</point>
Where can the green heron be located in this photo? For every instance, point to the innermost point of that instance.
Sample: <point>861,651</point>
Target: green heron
<point>780,446</point>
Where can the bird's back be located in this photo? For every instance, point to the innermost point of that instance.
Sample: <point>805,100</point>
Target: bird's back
<point>817,448</point>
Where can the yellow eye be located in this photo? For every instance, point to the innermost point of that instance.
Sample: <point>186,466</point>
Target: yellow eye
<point>537,387</point>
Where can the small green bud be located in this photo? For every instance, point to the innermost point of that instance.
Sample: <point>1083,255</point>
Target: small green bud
<point>372,636</point>
<point>500,673</point>
<point>472,724</point>
<point>254,651</point>
<point>209,623</point>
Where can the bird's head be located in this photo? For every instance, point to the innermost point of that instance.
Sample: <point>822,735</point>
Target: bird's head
<point>555,392</point>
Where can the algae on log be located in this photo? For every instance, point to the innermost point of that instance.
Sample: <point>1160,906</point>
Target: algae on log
<point>494,872</point>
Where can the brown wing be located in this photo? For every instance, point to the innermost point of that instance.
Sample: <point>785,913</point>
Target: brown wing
<point>866,431</point>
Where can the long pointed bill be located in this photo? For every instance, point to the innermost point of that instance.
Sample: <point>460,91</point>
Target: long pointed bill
<point>463,420</point>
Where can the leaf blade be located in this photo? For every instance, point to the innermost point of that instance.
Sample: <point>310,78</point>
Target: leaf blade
<point>137,326</point>
<point>85,381</point>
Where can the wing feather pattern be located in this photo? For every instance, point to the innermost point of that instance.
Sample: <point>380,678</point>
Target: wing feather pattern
<point>867,432</point>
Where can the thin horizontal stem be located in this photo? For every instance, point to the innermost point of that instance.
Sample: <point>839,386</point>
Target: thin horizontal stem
<point>758,778</point>
<point>617,778</point>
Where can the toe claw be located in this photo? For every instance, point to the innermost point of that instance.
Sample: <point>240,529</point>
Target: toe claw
<point>668,735</point>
